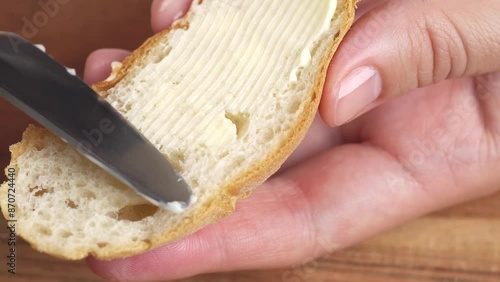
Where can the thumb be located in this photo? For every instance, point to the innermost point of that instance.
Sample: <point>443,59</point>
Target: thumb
<point>402,45</point>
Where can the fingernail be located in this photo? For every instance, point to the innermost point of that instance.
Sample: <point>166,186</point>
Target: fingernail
<point>165,5</point>
<point>178,15</point>
<point>357,91</point>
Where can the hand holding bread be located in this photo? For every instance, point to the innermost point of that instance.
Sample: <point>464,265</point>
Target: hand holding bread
<point>225,94</point>
<point>388,160</point>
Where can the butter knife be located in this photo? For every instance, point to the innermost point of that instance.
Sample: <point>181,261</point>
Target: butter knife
<point>35,83</point>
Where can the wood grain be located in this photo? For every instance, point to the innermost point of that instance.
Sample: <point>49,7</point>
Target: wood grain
<point>460,244</point>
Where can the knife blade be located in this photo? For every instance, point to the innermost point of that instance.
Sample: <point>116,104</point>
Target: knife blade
<point>44,89</point>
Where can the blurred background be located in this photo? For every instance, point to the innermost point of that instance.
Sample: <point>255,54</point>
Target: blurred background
<point>460,244</point>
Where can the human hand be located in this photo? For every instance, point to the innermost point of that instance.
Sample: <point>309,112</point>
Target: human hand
<point>437,144</point>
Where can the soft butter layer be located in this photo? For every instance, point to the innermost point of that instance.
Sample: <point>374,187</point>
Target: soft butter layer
<point>225,84</point>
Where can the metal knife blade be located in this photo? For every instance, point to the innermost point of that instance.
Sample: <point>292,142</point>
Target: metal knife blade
<point>41,87</point>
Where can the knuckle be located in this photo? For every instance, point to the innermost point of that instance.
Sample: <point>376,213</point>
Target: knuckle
<point>439,47</point>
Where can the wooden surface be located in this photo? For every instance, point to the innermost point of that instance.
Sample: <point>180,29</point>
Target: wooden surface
<point>461,244</point>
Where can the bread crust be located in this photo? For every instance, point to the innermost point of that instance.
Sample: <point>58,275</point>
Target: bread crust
<point>224,203</point>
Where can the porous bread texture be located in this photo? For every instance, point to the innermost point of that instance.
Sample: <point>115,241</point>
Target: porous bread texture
<point>70,208</point>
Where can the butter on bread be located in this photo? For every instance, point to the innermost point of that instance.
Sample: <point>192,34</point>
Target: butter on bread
<point>226,95</point>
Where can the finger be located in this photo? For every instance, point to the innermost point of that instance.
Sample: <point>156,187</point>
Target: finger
<point>487,89</point>
<point>165,12</point>
<point>402,45</point>
<point>98,64</point>
<point>364,7</point>
<point>331,202</point>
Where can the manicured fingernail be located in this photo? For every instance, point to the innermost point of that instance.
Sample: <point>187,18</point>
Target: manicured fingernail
<point>357,91</point>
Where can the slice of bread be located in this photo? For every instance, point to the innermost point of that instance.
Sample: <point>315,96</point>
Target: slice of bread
<point>226,94</point>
